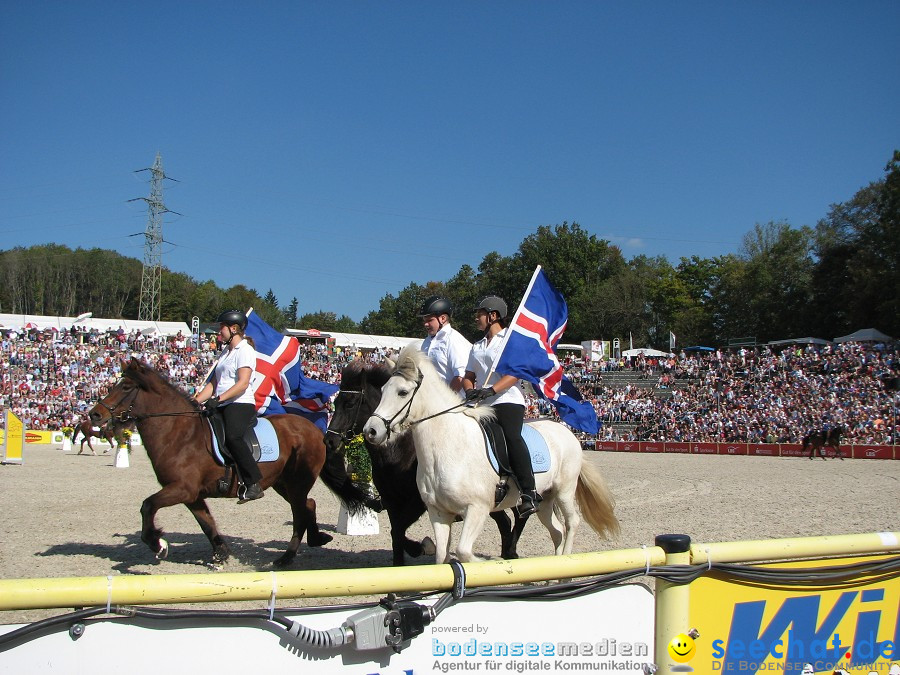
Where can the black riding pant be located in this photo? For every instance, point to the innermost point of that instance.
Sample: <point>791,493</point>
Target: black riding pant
<point>511,416</point>
<point>238,418</point>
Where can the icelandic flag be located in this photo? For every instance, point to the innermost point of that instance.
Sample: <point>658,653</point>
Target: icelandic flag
<point>530,353</point>
<point>280,384</point>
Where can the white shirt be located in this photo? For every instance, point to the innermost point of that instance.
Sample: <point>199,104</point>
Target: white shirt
<point>448,351</point>
<point>230,361</point>
<point>484,353</point>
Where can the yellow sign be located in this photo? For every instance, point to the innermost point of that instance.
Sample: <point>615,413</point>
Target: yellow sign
<point>749,627</point>
<point>13,440</point>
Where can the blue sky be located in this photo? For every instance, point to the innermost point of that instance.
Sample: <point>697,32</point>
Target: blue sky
<point>337,151</point>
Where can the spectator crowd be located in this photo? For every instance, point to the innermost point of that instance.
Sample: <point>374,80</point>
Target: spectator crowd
<point>758,395</point>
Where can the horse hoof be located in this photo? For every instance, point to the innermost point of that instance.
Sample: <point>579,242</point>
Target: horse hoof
<point>428,547</point>
<point>163,551</point>
<point>322,539</point>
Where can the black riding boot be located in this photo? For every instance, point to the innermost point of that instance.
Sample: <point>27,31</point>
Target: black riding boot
<point>510,417</point>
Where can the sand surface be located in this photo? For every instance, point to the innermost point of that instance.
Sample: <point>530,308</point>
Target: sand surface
<point>63,514</point>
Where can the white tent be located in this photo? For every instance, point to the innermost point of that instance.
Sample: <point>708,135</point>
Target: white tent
<point>646,351</point>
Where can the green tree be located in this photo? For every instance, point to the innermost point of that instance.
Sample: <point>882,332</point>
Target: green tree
<point>290,313</point>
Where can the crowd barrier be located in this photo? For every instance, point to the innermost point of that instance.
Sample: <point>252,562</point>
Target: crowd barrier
<point>854,451</point>
<point>825,603</point>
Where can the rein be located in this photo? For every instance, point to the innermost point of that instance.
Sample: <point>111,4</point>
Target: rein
<point>408,406</point>
<point>127,416</point>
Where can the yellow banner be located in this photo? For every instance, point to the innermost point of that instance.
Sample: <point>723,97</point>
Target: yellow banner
<point>749,627</point>
<point>14,439</point>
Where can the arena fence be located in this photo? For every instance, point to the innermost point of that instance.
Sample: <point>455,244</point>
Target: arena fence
<point>823,603</point>
<point>854,451</point>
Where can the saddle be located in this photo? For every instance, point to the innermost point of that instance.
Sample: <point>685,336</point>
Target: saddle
<point>263,447</point>
<point>498,453</point>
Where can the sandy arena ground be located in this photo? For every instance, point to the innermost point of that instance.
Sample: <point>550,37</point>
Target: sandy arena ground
<point>63,514</point>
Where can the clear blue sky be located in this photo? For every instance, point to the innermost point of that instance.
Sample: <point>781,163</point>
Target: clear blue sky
<point>337,151</point>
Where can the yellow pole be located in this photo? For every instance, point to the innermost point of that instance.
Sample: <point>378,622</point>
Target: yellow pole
<point>232,587</point>
<point>672,600</point>
<point>800,547</point>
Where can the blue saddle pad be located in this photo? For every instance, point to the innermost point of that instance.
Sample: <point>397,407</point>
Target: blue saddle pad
<point>265,437</point>
<point>537,447</point>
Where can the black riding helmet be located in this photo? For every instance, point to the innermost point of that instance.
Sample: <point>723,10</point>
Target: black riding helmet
<point>435,306</point>
<point>492,303</point>
<point>232,317</point>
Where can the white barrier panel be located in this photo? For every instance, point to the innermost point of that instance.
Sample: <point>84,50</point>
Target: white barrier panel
<point>608,630</point>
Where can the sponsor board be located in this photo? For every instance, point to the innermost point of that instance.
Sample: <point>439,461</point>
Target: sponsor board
<point>650,447</point>
<point>733,448</point>
<point>870,451</point>
<point>608,630</point>
<point>754,628</point>
<point>704,448</point>
<point>762,449</point>
<point>680,448</point>
<point>607,446</point>
<point>792,450</point>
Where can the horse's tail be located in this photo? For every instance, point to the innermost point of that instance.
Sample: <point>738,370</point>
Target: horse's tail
<point>334,475</point>
<point>596,502</point>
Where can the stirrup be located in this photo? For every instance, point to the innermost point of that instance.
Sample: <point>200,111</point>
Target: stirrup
<point>530,503</point>
<point>500,491</point>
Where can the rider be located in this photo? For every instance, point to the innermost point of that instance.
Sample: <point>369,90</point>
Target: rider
<point>229,390</point>
<point>504,395</point>
<point>446,347</point>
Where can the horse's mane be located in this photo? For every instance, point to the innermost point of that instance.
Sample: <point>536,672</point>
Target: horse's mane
<point>413,360</point>
<point>149,378</point>
<point>358,371</point>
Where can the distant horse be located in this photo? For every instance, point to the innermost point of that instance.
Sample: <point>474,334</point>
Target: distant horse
<point>179,443</point>
<point>454,475</point>
<point>88,430</point>
<point>819,440</point>
<point>393,466</point>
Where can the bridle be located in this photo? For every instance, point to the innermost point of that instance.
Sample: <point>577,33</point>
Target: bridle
<point>404,409</point>
<point>407,407</point>
<point>128,416</point>
<point>348,433</point>
<point>125,416</point>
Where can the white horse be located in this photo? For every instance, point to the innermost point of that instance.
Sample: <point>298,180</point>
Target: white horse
<point>454,475</point>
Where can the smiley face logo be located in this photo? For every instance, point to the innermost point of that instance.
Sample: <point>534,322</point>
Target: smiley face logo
<point>682,648</point>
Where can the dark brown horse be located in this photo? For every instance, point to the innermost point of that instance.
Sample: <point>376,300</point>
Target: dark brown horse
<point>88,430</point>
<point>178,441</point>
<point>394,466</point>
<point>817,441</point>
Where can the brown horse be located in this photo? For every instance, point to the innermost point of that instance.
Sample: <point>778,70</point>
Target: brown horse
<point>178,441</point>
<point>817,441</point>
<point>88,430</point>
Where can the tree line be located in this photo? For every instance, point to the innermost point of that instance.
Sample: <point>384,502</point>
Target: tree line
<point>838,276</point>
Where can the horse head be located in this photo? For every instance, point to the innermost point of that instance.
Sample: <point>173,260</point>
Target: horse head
<point>358,396</point>
<point>413,391</point>
<point>123,402</point>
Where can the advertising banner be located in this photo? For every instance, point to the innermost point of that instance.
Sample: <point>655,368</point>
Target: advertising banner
<point>791,450</point>
<point>650,447</point>
<point>609,630</point>
<point>762,449</point>
<point>704,448</point>
<point>755,628</point>
<point>733,448</point>
<point>607,446</point>
<point>13,439</point>
<point>870,451</point>
<point>680,448</point>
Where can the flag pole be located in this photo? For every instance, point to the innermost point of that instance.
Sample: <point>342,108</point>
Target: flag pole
<point>512,323</point>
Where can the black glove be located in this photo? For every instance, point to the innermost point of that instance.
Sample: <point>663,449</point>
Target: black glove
<point>210,406</point>
<point>475,395</point>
